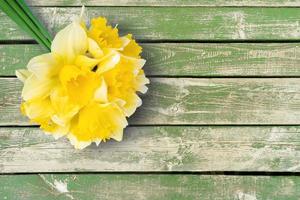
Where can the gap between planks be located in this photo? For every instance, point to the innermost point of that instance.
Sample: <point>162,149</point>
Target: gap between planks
<point>196,173</point>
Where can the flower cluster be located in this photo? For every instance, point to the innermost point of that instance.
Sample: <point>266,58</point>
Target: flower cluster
<point>86,86</point>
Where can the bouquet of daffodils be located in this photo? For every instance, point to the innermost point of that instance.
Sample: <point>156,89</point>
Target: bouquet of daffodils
<point>87,85</point>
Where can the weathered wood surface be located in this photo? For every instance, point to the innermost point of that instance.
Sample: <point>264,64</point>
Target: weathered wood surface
<point>236,102</point>
<point>195,101</point>
<point>258,3</point>
<point>159,148</point>
<point>170,23</point>
<point>190,59</point>
<point>150,187</point>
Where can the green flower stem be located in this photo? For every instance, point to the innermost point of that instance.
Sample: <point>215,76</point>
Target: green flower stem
<point>13,10</point>
<point>26,10</point>
<point>28,22</point>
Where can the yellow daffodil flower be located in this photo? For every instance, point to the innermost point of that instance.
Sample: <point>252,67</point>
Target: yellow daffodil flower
<point>86,86</point>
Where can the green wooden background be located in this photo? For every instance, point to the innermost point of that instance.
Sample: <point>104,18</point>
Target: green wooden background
<point>220,121</point>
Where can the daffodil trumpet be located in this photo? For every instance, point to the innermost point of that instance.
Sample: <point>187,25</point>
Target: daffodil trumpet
<point>87,86</point>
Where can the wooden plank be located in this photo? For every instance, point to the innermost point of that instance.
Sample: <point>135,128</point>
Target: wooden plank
<point>190,59</point>
<point>258,3</point>
<point>195,101</point>
<point>152,187</point>
<point>157,148</point>
<point>170,23</point>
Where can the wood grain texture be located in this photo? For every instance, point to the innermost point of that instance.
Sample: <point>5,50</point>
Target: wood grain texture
<point>181,3</point>
<point>159,148</point>
<point>148,187</point>
<point>170,23</point>
<point>191,59</point>
<point>194,101</point>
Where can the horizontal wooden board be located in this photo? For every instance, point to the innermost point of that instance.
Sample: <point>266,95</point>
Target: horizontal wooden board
<point>170,23</point>
<point>157,148</point>
<point>195,101</point>
<point>268,3</point>
<point>143,187</point>
<point>190,59</point>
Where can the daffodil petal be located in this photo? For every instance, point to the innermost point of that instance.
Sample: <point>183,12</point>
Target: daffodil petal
<point>101,93</point>
<point>45,65</point>
<point>132,49</point>
<point>62,106</point>
<point>78,144</point>
<point>140,63</point>
<point>59,121</point>
<point>37,110</point>
<point>125,41</point>
<point>97,142</point>
<point>23,74</point>
<point>108,62</point>
<point>105,35</point>
<point>137,62</point>
<point>120,102</point>
<point>69,72</point>
<point>143,89</point>
<point>94,49</point>
<point>35,88</point>
<point>133,101</point>
<point>59,131</point>
<point>99,122</point>
<point>141,82</point>
<point>80,87</point>
<point>70,42</point>
<point>85,62</point>
<point>118,136</point>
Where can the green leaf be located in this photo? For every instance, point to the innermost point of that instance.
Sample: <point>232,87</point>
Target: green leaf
<point>22,15</point>
<point>26,9</point>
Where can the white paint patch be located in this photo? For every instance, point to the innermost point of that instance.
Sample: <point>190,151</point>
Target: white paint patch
<point>244,196</point>
<point>294,168</point>
<point>60,186</point>
<point>239,18</point>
